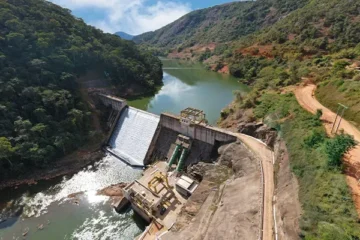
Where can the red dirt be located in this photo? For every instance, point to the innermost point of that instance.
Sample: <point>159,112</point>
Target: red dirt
<point>306,98</point>
<point>355,19</point>
<point>325,31</point>
<point>225,70</point>
<point>292,36</point>
<point>187,53</point>
<point>258,51</point>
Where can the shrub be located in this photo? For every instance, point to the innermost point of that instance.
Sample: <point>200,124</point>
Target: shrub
<point>340,65</point>
<point>315,139</point>
<point>335,148</point>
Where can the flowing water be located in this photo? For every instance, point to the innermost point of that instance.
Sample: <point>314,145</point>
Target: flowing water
<point>134,128</point>
<point>87,215</point>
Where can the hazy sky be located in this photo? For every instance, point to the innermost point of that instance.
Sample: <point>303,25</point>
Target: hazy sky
<point>133,16</point>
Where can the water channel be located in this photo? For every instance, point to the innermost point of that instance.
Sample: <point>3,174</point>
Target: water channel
<point>89,216</point>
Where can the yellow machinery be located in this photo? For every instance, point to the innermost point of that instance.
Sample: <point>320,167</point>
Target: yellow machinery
<point>159,178</point>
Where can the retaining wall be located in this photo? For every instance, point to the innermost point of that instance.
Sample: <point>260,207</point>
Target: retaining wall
<point>201,132</point>
<point>116,103</point>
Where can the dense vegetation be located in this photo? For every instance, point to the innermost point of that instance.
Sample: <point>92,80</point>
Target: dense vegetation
<point>328,209</point>
<point>222,23</point>
<point>43,49</point>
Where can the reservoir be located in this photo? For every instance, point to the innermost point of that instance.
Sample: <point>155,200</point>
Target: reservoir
<point>191,85</point>
<point>87,215</point>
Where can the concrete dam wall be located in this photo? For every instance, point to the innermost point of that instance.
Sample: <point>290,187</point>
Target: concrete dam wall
<point>133,135</point>
<point>201,132</point>
<point>138,137</point>
<point>114,102</point>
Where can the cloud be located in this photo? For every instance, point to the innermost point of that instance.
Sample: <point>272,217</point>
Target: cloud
<point>131,16</point>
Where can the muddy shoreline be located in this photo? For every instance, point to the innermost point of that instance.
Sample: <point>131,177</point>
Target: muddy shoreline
<point>68,165</point>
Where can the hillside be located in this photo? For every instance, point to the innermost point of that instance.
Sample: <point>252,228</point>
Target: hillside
<point>311,42</point>
<point>124,35</point>
<point>43,50</point>
<point>318,42</point>
<point>220,23</point>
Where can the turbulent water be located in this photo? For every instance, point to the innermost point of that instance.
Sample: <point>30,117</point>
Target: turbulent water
<point>88,216</point>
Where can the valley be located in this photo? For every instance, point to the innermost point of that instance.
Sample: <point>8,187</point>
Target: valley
<point>217,125</point>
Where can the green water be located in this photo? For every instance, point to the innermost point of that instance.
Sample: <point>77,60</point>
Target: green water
<point>191,85</point>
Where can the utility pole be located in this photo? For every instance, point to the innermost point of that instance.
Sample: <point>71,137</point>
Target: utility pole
<point>340,113</point>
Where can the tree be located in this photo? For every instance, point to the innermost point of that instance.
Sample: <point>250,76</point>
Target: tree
<point>335,148</point>
<point>6,150</point>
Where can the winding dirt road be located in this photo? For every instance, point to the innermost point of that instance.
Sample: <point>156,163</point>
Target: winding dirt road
<point>305,95</point>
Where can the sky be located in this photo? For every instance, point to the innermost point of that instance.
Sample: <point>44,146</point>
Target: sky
<point>133,16</point>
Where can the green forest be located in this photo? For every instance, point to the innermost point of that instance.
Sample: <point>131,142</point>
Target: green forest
<point>43,50</point>
<point>219,24</point>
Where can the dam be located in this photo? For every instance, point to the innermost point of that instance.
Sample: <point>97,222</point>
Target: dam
<point>133,135</point>
<point>140,138</point>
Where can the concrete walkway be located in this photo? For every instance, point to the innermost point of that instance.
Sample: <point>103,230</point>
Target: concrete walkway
<point>266,156</point>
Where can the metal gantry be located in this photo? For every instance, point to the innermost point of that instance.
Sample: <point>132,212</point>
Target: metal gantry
<point>340,113</point>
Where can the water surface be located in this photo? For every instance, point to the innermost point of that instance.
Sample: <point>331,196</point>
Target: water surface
<point>86,216</point>
<point>191,85</point>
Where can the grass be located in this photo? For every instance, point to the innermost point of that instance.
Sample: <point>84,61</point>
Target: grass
<point>346,92</point>
<point>328,209</point>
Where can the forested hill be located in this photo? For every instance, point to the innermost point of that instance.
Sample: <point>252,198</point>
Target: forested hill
<point>43,49</point>
<point>124,35</point>
<point>220,23</point>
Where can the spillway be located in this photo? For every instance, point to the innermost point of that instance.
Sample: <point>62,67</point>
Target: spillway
<point>133,135</point>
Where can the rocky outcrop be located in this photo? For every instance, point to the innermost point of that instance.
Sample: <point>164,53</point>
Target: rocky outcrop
<point>258,130</point>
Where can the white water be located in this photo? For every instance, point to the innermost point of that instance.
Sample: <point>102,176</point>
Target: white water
<point>133,134</point>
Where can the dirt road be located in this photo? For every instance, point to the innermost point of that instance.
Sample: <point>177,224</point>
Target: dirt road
<point>266,156</point>
<point>306,98</point>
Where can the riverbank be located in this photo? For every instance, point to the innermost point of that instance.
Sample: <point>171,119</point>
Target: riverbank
<point>67,165</point>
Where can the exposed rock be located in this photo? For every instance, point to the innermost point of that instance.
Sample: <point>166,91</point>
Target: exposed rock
<point>75,195</point>
<point>258,130</point>
<point>114,190</point>
<point>226,203</point>
<point>267,134</point>
<point>248,128</point>
<point>288,207</point>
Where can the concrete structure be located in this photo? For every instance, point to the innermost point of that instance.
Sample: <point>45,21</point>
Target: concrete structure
<point>201,132</point>
<point>190,123</point>
<point>133,135</point>
<point>162,202</point>
<point>114,102</point>
<point>186,186</point>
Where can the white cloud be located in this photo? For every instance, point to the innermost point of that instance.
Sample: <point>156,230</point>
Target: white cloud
<point>131,16</point>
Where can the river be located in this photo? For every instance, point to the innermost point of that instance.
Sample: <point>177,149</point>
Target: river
<point>88,216</point>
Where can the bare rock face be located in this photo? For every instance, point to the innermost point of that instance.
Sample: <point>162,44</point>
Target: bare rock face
<point>114,190</point>
<point>227,202</point>
<point>248,128</point>
<point>258,130</point>
<point>234,156</point>
<point>267,134</point>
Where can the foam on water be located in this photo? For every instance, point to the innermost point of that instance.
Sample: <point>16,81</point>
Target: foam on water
<point>104,227</point>
<point>104,173</point>
<point>133,134</point>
